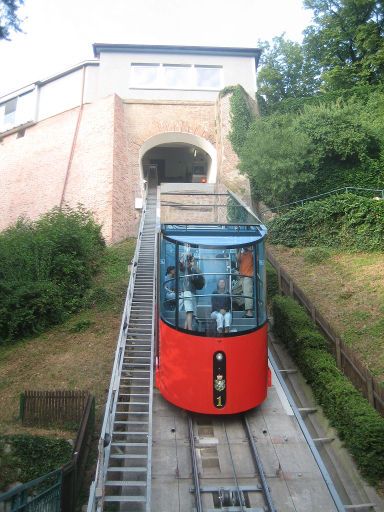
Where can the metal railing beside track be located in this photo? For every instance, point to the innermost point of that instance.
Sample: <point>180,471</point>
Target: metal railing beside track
<point>343,190</point>
<point>43,493</point>
<point>97,486</point>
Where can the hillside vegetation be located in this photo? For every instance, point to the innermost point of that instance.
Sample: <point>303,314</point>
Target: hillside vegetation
<point>321,127</point>
<point>46,267</point>
<point>77,354</point>
<point>343,221</point>
<point>307,147</point>
<point>321,103</point>
<point>348,290</point>
<point>360,427</point>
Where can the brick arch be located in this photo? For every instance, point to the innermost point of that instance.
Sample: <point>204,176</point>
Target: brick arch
<point>194,139</point>
<point>160,127</point>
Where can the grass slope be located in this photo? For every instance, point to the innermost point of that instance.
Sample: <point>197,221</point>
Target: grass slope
<point>75,355</point>
<point>348,289</point>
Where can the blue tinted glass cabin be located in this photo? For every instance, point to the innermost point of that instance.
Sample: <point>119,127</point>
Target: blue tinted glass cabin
<point>261,284</point>
<point>167,280</point>
<point>210,290</point>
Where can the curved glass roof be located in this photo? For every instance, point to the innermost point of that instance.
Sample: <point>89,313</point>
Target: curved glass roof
<point>214,235</point>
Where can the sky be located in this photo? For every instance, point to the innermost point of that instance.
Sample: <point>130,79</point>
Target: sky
<point>59,33</point>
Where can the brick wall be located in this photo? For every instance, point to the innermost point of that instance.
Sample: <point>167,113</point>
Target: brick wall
<point>90,177</point>
<point>126,182</point>
<point>104,172</point>
<point>145,119</point>
<point>32,168</point>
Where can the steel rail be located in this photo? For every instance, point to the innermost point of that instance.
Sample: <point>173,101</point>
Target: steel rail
<point>238,490</point>
<point>194,205</point>
<point>195,472</point>
<point>244,205</point>
<point>259,466</point>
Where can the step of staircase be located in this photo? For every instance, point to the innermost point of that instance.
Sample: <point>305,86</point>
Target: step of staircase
<point>128,477</point>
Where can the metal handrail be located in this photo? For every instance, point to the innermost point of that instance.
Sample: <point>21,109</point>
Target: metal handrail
<point>96,494</point>
<point>311,198</point>
<point>150,406</point>
<point>28,485</point>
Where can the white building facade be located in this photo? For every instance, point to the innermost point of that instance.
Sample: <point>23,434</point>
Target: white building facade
<point>88,134</point>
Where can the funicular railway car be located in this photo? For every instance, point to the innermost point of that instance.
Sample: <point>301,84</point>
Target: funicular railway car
<point>212,353</point>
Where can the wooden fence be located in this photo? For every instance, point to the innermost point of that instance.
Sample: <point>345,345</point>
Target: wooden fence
<point>346,360</point>
<point>47,408</point>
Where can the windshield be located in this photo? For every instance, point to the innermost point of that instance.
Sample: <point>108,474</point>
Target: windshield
<point>215,291</point>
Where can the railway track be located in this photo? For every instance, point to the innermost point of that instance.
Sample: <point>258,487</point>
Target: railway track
<point>234,487</point>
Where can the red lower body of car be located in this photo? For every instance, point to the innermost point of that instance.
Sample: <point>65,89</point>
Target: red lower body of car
<point>213,375</point>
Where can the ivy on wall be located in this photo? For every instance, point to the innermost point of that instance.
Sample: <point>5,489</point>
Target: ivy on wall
<point>240,114</point>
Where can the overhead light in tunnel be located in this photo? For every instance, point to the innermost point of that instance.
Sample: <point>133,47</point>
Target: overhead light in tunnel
<point>194,152</point>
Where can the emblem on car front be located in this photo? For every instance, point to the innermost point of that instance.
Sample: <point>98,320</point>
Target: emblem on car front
<point>219,383</point>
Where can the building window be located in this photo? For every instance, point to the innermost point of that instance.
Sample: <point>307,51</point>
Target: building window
<point>208,77</point>
<point>145,75</point>
<point>176,76</point>
<point>10,111</point>
<point>18,110</point>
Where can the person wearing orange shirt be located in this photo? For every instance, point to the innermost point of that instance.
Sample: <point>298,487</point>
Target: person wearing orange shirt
<point>246,270</point>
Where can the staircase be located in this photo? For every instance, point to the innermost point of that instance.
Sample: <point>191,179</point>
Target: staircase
<point>123,481</point>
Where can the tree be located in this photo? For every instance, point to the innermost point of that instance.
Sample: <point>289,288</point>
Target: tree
<point>9,20</point>
<point>289,156</point>
<point>286,72</point>
<point>346,144</point>
<point>346,40</point>
<point>276,157</point>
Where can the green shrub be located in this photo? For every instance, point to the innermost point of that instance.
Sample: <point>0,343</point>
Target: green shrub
<point>358,424</point>
<point>45,268</point>
<point>315,145</point>
<point>288,319</point>
<point>28,308</point>
<point>342,221</point>
<point>81,326</point>
<point>316,254</point>
<point>272,282</point>
<point>26,457</point>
